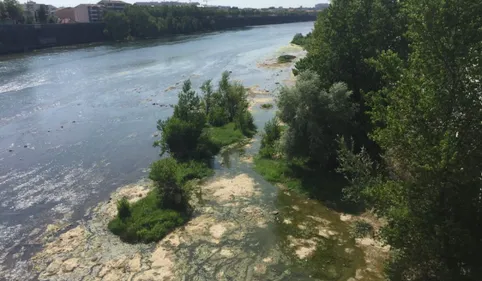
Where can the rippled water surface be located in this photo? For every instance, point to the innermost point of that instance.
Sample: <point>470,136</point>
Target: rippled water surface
<point>76,123</point>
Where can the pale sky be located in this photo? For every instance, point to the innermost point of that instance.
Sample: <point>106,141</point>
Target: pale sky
<point>237,3</point>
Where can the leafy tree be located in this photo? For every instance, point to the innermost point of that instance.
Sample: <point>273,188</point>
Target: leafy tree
<point>182,134</point>
<point>430,114</point>
<point>346,34</point>
<point>3,11</point>
<point>116,25</point>
<point>42,14</point>
<point>272,134</point>
<point>315,117</point>
<point>13,9</point>
<point>165,174</point>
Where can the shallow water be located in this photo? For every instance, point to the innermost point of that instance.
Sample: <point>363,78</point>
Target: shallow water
<point>76,123</point>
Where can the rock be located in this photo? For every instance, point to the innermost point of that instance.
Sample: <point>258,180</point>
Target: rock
<point>277,83</point>
<point>73,121</point>
<point>275,213</point>
<point>154,103</point>
<point>62,127</point>
<point>53,267</point>
<point>70,264</point>
<point>48,131</point>
<point>10,150</point>
<point>25,146</point>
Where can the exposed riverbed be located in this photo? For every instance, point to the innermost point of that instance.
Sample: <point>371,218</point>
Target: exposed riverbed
<point>77,124</point>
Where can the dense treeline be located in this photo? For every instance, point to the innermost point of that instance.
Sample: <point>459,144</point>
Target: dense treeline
<point>198,128</point>
<point>11,10</point>
<point>389,95</point>
<point>151,22</point>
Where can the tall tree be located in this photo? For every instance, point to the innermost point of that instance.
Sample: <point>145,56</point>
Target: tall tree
<point>431,113</point>
<point>14,10</point>
<point>347,34</point>
<point>3,11</point>
<point>42,14</point>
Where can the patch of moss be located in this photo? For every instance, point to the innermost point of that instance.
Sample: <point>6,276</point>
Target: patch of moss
<point>286,58</point>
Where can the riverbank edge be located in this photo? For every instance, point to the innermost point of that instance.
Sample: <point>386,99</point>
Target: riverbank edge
<point>28,38</point>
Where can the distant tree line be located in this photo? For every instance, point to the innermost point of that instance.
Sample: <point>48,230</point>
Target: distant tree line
<point>151,22</point>
<point>11,10</point>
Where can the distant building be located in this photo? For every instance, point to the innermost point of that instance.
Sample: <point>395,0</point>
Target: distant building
<point>166,3</point>
<point>65,15</point>
<point>322,6</point>
<point>113,5</point>
<point>88,13</point>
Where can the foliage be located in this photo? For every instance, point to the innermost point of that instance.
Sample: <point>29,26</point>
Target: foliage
<point>123,208</point>
<point>182,134</point>
<point>301,40</point>
<point>147,222</point>
<point>361,228</point>
<point>427,117</point>
<point>272,134</point>
<point>266,106</point>
<point>116,25</point>
<point>244,122</point>
<point>151,22</point>
<point>315,118</point>
<point>286,58</point>
<point>225,135</point>
<point>11,10</point>
<point>42,14</point>
<point>346,35</point>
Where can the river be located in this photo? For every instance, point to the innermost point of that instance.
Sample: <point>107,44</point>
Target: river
<point>77,123</point>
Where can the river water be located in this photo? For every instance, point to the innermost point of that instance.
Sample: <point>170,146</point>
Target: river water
<point>78,122</point>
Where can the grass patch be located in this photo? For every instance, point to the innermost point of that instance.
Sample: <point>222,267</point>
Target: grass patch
<point>225,135</point>
<point>266,106</point>
<point>286,58</point>
<point>323,186</point>
<point>362,229</point>
<point>147,222</point>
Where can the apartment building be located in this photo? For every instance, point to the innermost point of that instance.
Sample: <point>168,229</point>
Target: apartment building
<point>88,13</point>
<point>113,5</point>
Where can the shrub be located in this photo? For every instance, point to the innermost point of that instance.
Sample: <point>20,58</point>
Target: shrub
<point>218,116</point>
<point>123,209</point>
<point>147,222</point>
<point>362,229</point>
<point>244,121</point>
<point>266,106</point>
<point>286,58</point>
<point>272,133</point>
<point>165,174</point>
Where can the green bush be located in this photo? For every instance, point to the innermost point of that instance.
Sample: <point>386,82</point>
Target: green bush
<point>123,209</point>
<point>244,122</point>
<point>362,229</point>
<point>225,135</point>
<point>147,222</point>
<point>272,134</point>
<point>218,116</point>
<point>301,40</point>
<point>286,58</point>
<point>266,106</point>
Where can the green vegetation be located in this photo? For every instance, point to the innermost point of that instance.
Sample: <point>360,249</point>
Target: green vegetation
<point>152,22</point>
<point>362,229</point>
<point>225,135</point>
<point>11,10</point>
<point>301,40</point>
<point>403,128</point>
<point>266,106</point>
<point>190,140</point>
<point>286,58</point>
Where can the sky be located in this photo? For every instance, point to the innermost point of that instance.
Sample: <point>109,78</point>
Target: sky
<point>237,3</point>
